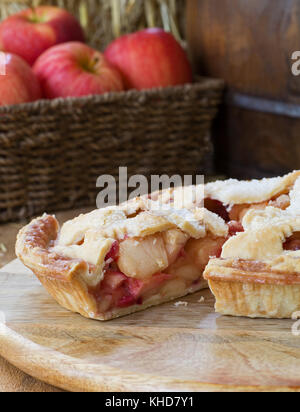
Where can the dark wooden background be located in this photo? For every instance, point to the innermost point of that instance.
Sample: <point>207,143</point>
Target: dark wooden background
<point>250,44</point>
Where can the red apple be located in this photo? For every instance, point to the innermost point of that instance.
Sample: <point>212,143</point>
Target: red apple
<point>74,69</point>
<point>18,83</point>
<point>30,32</point>
<point>150,58</point>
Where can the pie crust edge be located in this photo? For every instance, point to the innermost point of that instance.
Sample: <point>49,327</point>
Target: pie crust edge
<point>63,277</point>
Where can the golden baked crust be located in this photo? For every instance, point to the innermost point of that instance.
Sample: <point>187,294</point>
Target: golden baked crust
<point>255,300</point>
<point>33,243</point>
<point>62,277</point>
<point>72,262</point>
<point>253,262</point>
<point>235,192</point>
<point>256,275</point>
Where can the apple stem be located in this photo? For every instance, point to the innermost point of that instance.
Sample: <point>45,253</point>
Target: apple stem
<point>34,15</point>
<point>96,60</point>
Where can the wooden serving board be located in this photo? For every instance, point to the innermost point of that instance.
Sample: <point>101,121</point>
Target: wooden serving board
<point>166,348</point>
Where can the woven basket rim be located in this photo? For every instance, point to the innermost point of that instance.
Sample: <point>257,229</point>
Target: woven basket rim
<point>201,84</point>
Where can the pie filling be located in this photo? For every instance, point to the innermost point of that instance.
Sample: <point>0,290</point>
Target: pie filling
<point>167,264</point>
<point>234,215</point>
<point>162,266</point>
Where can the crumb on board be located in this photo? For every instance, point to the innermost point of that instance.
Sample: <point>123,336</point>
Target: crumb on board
<point>177,304</point>
<point>3,248</point>
<point>201,300</point>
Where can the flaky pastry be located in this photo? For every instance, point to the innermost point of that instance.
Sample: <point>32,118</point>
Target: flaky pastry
<point>258,273</point>
<point>120,260</point>
<point>232,198</point>
<point>244,236</point>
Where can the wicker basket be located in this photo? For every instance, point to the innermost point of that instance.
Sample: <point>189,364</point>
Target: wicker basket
<point>52,152</point>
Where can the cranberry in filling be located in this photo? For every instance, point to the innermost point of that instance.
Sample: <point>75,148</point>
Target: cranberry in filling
<point>293,242</point>
<point>216,207</point>
<point>119,291</point>
<point>136,291</point>
<point>113,253</point>
<point>235,227</point>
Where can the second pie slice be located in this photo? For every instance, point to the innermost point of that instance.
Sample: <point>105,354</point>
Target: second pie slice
<point>258,273</point>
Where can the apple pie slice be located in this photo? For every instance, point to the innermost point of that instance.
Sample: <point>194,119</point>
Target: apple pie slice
<point>120,260</point>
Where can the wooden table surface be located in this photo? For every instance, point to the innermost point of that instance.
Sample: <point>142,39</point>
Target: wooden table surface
<point>12,379</point>
<point>231,352</point>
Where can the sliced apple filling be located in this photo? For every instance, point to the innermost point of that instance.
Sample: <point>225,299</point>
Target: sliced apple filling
<point>162,265</point>
<point>234,214</point>
<point>237,212</point>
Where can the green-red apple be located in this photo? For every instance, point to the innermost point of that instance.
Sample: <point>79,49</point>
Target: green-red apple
<point>73,70</point>
<point>150,58</point>
<point>30,32</point>
<point>18,83</point>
